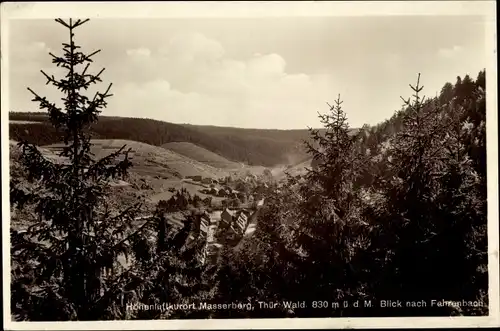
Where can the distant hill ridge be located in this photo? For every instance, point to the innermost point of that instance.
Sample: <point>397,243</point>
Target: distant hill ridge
<point>262,147</point>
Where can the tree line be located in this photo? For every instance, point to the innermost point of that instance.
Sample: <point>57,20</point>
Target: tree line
<point>240,145</point>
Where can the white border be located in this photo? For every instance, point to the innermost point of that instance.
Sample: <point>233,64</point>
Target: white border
<point>151,9</point>
<point>32,10</point>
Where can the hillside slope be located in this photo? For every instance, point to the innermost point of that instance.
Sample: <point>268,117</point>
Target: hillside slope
<point>249,146</point>
<point>201,154</point>
<point>150,160</point>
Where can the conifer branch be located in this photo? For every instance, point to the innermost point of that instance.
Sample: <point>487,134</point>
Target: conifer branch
<point>88,57</point>
<point>60,21</point>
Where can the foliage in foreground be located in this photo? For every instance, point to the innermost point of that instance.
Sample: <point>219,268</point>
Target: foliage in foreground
<point>81,258</point>
<point>396,212</point>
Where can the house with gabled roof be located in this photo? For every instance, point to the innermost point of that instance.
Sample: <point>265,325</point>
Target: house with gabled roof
<point>204,224</point>
<point>240,223</point>
<point>227,216</point>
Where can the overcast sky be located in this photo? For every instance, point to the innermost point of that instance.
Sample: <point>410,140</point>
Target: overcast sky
<point>260,73</point>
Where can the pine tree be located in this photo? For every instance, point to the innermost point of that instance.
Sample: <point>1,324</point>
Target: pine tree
<point>321,229</point>
<point>475,118</point>
<point>406,218</point>
<point>177,275</point>
<point>333,151</point>
<point>481,80</point>
<point>66,265</point>
<point>462,194</point>
<point>430,203</point>
<point>446,94</point>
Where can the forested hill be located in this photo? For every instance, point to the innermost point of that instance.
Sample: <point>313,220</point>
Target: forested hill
<point>250,146</point>
<point>466,95</point>
<point>460,93</point>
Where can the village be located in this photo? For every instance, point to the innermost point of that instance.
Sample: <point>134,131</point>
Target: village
<point>247,190</point>
<point>217,224</point>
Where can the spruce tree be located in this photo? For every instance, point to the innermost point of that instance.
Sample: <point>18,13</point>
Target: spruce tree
<point>322,229</point>
<point>330,150</point>
<point>406,217</point>
<point>430,206</point>
<point>65,265</point>
<point>462,194</point>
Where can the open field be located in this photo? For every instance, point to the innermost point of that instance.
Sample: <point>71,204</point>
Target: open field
<point>161,170</point>
<point>151,160</point>
<point>201,154</point>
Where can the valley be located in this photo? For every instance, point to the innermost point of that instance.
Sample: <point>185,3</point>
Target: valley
<point>158,173</point>
<point>239,178</point>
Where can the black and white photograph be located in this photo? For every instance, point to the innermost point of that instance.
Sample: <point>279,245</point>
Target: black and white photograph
<point>200,165</point>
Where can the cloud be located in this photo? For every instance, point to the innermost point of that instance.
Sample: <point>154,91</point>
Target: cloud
<point>32,50</point>
<point>251,72</point>
<point>450,52</point>
<point>192,47</point>
<point>271,65</point>
<point>25,63</point>
<point>139,52</point>
<point>191,78</point>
